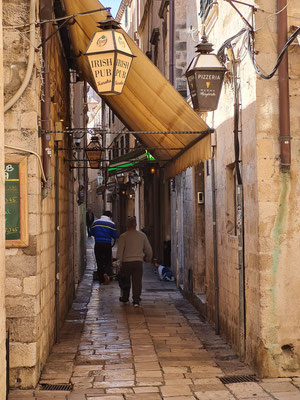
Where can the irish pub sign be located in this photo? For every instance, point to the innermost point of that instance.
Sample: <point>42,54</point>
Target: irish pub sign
<point>109,58</point>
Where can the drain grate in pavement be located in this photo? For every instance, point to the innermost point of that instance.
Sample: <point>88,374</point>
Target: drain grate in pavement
<point>61,387</point>
<point>161,290</point>
<point>238,379</point>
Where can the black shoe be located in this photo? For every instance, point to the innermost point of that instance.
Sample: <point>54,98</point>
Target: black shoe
<point>136,305</point>
<point>123,300</point>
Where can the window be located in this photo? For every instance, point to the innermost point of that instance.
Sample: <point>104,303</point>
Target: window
<point>122,145</point>
<point>204,5</point>
<point>127,145</point>
<point>115,150</point>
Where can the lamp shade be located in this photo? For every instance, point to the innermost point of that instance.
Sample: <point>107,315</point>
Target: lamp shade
<point>94,152</point>
<point>109,58</point>
<point>205,76</point>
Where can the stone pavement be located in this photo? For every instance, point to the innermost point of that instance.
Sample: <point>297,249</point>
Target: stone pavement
<point>162,350</point>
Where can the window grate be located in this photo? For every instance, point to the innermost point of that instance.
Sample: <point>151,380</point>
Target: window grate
<point>161,290</point>
<point>237,379</point>
<point>58,387</point>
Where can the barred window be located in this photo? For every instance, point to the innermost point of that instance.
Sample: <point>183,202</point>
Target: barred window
<point>204,5</point>
<point>122,145</point>
<point>127,143</point>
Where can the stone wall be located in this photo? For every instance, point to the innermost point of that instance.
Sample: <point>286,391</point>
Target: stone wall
<point>21,130</point>
<point>31,271</point>
<point>278,196</point>
<point>180,47</point>
<point>2,243</point>
<point>270,200</point>
<point>226,24</point>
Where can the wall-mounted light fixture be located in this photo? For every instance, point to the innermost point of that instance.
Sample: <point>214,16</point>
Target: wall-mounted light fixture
<point>205,76</point>
<point>134,178</point>
<point>94,152</point>
<point>109,58</point>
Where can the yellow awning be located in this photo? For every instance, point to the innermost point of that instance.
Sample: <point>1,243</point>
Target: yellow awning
<point>148,101</point>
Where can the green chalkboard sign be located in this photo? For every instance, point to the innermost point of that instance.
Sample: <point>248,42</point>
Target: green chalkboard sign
<point>16,209</point>
<point>12,202</point>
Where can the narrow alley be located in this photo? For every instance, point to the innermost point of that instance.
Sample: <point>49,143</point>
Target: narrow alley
<point>162,350</point>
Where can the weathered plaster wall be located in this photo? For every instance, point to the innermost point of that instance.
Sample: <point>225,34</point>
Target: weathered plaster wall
<point>278,196</point>
<point>2,243</point>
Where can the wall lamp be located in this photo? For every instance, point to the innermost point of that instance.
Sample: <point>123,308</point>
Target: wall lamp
<point>94,152</point>
<point>205,76</point>
<point>109,58</point>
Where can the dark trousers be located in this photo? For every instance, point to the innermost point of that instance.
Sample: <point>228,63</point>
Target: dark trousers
<point>103,256</point>
<point>131,272</point>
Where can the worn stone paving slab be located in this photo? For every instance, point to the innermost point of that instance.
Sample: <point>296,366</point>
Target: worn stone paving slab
<point>160,351</point>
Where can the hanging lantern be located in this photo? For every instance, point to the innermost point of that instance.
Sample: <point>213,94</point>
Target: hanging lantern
<point>94,152</point>
<point>109,58</point>
<point>205,76</point>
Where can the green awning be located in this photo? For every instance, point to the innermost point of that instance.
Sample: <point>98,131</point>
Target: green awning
<point>130,160</point>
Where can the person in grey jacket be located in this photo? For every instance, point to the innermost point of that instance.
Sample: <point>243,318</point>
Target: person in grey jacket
<point>133,247</point>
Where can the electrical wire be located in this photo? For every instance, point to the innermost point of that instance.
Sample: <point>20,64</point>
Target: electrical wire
<point>31,152</point>
<point>228,43</point>
<point>279,59</point>
<point>271,15</point>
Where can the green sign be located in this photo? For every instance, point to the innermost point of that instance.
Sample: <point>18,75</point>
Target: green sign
<point>12,202</point>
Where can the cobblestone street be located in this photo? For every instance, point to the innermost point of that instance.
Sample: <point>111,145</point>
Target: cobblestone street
<point>162,350</point>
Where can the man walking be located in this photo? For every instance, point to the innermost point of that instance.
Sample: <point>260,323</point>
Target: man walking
<point>104,230</point>
<point>132,247</point>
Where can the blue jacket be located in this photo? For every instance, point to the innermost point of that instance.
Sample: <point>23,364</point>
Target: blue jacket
<point>104,230</point>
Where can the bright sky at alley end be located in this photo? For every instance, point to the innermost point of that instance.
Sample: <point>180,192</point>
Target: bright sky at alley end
<point>114,4</point>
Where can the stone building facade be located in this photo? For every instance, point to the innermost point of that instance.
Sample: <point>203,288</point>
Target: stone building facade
<point>40,277</point>
<point>234,248</point>
<point>2,235</point>
<point>265,333</point>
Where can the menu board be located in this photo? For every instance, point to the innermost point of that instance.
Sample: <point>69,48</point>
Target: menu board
<point>16,208</point>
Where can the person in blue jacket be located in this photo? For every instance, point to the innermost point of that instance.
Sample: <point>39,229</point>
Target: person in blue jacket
<point>104,231</point>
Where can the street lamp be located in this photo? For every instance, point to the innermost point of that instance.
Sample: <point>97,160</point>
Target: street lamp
<point>94,152</point>
<point>109,58</point>
<point>205,76</point>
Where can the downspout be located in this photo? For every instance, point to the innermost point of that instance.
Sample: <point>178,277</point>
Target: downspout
<point>283,82</point>
<point>171,41</point>
<point>240,214</point>
<point>56,245</point>
<point>215,241</point>
<point>30,64</point>
<point>46,14</point>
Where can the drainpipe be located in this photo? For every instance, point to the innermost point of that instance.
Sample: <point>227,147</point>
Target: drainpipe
<point>46,13</point>
<point>171,42</point>
<point>215,243</point>
<point>240,213</point>
<point>283,82</point>
<point>56,245</point>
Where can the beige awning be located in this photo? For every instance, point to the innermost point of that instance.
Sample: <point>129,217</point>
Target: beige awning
<point>148,101</point>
